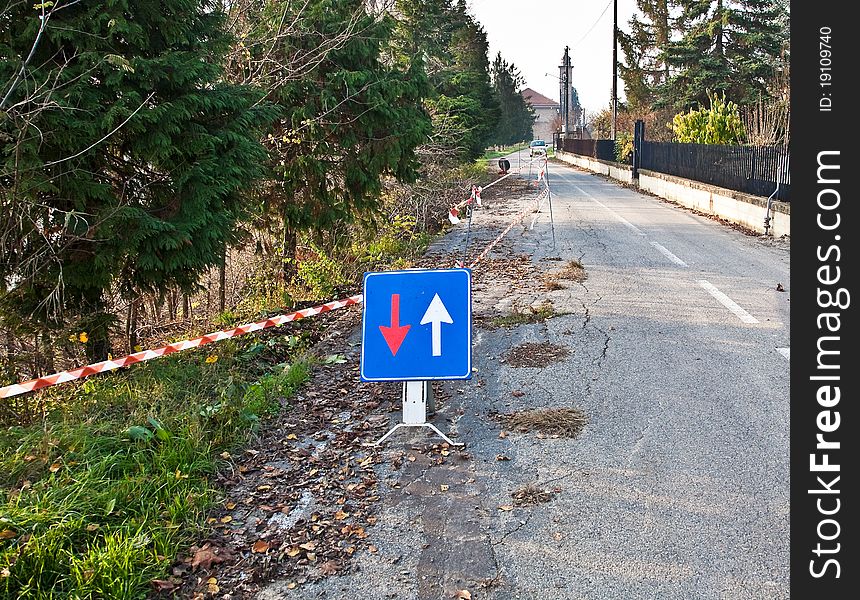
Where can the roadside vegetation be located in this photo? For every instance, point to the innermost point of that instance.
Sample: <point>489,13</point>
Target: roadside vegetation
<point>247,159</point>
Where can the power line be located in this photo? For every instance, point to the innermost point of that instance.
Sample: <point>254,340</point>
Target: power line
<point>605,8</point>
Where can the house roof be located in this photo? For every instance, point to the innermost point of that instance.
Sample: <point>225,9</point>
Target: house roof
<point>535,99</point>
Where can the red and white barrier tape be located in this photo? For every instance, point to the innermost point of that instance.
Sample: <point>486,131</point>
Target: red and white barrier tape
<point>17,389</point>
<point>109,365</point>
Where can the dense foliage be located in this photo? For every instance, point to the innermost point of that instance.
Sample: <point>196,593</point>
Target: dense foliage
<point>677,52</point>
<point>124,155</point>
<point>516,116</point>
<point>720,123</point>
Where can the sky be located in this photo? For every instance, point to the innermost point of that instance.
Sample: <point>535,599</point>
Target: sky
<point>532,36</point>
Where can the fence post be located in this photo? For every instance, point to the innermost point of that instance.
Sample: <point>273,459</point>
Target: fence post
<point>638,138</point>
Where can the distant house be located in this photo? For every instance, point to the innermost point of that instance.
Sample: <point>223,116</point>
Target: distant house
<point>546,114</point>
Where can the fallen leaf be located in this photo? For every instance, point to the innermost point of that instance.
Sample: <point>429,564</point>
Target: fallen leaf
<point>443,487</point>
<point>5,572</point>
<point>372,548</point>
<point>410,458</point>
<point>93,526</point>
<point>260,546</point>
<point>291,585</point>
<point>463,595</point>
<point>7,534</point>
<point>212,585</point>
<point>230,505</point>
<point>502,457</point>
<point>506,507</point>
<point>292,436</point>
<point>311,556</point>
<point>503,434</point>
<point>226,519</point>
<point>294,551</point>
<point>329,567</point>
<point>308,545</point>
<point>162,585</point>
<point>445,453</point>
<point>55,467</point>
<point>205,557</point>
<point>226,455</point>
<point>340,515</point>
<point>518,393</point>
<point>263,488</point>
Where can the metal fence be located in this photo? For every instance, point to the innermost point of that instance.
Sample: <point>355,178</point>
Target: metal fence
<point>753,170</point>
<point>601,149</point>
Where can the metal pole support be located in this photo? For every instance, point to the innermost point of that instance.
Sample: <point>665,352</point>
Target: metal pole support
<point>416,397</point>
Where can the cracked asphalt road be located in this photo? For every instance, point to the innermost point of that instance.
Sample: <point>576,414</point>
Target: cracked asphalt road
<point>678,486</point>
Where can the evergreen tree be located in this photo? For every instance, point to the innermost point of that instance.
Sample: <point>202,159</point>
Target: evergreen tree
<point>645,49</point>
<point>124,155</point>
<point>730,46</point>
<point>454,47</point>
<point>348,117</point>
<point>516,116</point>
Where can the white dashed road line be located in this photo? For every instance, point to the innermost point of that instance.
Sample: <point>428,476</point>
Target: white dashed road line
<point>668,254</point>
<point>612,212</point>
<point>727,302</point>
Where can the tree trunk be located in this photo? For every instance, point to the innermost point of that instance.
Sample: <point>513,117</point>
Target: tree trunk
<point>131,326</point>
<point>222,282</point>
<point>288,255</point>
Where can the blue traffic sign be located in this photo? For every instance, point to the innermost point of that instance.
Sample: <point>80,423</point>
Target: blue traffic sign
<point>417,324</point>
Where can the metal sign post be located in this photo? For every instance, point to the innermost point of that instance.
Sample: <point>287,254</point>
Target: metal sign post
<point>416,397</point>
<point>417,327</point>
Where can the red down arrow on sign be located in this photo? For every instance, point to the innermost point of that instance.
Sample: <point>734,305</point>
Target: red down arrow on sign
<point>395,334</point>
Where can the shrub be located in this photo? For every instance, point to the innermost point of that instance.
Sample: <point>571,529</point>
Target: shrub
<point>719,124</point>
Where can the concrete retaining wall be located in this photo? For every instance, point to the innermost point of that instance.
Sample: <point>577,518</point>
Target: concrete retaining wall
<point>616,171</point>
<point>743,209</point>
<point>736,207</point>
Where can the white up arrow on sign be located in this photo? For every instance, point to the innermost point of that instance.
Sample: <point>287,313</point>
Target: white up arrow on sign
<point>436,314</point>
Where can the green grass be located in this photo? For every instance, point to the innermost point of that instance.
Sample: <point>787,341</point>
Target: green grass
<point>98,498</point>
<point>538,315</point>
<point>491,154</point>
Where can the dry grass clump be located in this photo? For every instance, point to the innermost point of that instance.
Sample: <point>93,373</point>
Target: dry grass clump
<point>564,422</point>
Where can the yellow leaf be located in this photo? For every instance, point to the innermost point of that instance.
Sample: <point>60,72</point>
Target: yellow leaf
<point>313,472</point>
<point>308,545</point>
<point>138,348</point>
<point>73,338</point>
<point>110,356</point>
<point>226,519</point>
<point>211,359</point>
<point>226,455</point>
<point>93,526</point>
<point>55,467</point>
<point>83,337</point>
<point>293,552</point>
<point>291,585</point>
<point>340,515</point>
<point>443,487</point>
<point>213,585</point>
<point>292,436</point>
<point>230,505</point>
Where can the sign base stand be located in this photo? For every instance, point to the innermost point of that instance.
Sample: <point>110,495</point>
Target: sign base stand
<point>416,396</point>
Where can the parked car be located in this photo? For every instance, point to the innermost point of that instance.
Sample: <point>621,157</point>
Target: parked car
<point>537,148</point>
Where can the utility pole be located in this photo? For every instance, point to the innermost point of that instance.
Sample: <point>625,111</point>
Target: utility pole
<point>564,88</point>
<point>614,67</point>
